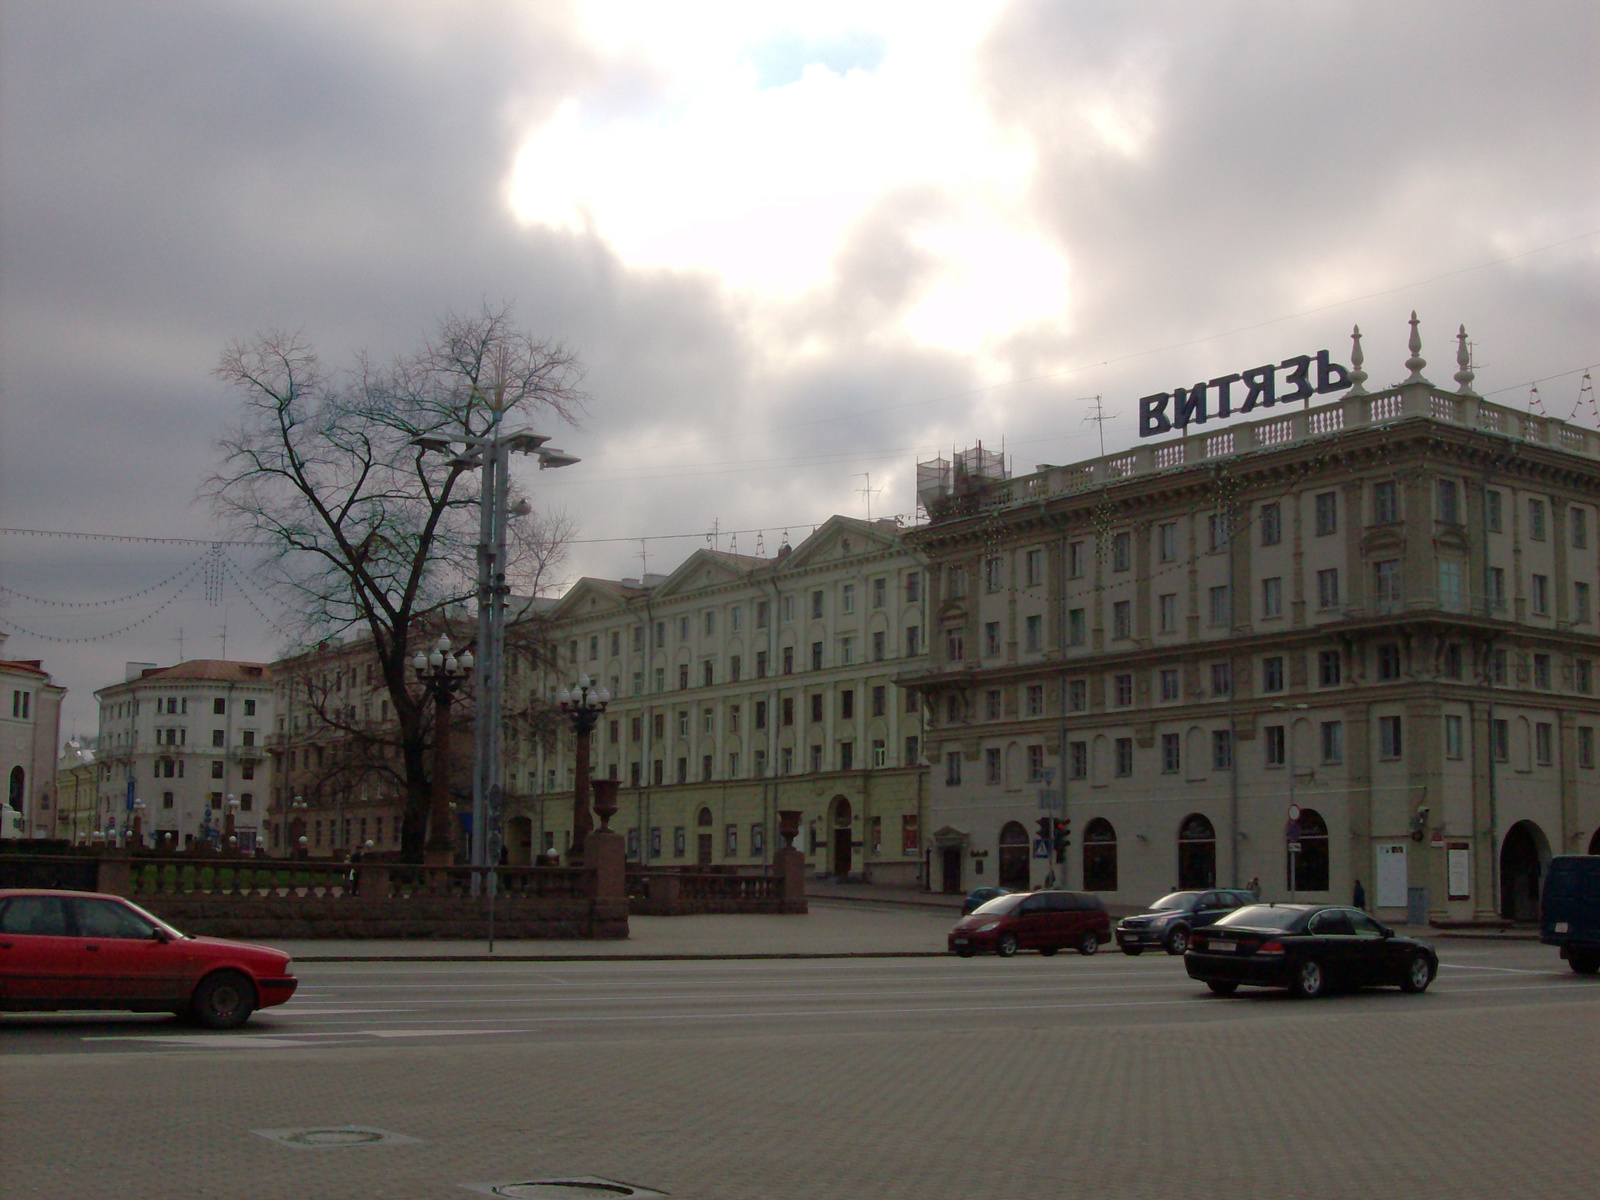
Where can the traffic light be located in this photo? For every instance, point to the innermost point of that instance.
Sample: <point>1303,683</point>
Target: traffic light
<point>1061,837</point>
<point>1046,830</point>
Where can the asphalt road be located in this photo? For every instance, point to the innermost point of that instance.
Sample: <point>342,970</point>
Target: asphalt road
<point>928,1077</point>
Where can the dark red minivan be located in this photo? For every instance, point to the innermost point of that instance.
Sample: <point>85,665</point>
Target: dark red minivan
<point>1042,921</point>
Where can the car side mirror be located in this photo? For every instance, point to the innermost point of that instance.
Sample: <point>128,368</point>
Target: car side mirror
<point>160,935</point>
<point>1387,932</point>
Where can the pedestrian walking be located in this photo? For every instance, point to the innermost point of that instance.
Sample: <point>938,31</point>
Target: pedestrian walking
<point>1359,896</point>
<point>1254,887</point>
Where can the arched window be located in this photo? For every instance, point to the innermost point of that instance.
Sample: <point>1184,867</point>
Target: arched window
<point>1594,843</point>
<point>1099,856</point>
<point>18,788</point>
<point>704,819</point>
<point>1308,867</point>
<point>1197,853</point>
<point>1014,856</point>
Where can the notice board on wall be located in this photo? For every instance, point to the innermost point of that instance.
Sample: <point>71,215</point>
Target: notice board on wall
<point>1460,860</point>
<point>1391,875</point>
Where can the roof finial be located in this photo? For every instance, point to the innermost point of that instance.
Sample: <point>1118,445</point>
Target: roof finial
<point>1465,375</point>
<point>1358,377</point>
<point>1416,362</point>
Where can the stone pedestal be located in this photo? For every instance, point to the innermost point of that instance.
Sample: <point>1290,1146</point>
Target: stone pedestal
<point>606,854</point>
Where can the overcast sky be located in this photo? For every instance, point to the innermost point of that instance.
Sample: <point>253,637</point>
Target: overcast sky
<point>794,244</point>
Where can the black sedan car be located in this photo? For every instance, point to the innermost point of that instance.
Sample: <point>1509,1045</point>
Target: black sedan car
<point>1174,917</point>
<point>1307,948</point>
<point>981,896</point>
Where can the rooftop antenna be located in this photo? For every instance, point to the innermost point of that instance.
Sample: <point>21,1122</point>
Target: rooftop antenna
<point>644,558</point>
<point>1099,416</point>
<point>1586,395</point>
<point>180,643</point>
<point>868,491</point>
<point>714,537</point>
<point>761,543</point>
<point>224,636</point>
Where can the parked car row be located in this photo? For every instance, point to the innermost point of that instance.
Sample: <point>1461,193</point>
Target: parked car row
<point>86,950</point>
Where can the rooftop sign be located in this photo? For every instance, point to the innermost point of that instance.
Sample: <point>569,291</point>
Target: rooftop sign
<point>1178,409</point>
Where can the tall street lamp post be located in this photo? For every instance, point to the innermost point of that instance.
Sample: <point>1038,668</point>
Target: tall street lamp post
<point>441,672</point>
<point>491,453</point>
<point>583,704</point>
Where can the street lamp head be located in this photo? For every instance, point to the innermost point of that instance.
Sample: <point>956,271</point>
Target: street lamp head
<point>603,696</point>
<point>521,508</point>
<point>564,698</point>
<point>466,660</point>
<point>437,445</point>
<point>443,643</point>
<point>436,659</point>
<point>583,681</point>
<point>549,459</point>
<point>419,662</point>
<point>451,666</point>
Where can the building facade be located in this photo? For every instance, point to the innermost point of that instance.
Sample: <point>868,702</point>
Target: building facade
<point>741,685</point>
<point>77,802</point>
<point>1379,611</point>
<point>30,724</point>
<point>189,743</point>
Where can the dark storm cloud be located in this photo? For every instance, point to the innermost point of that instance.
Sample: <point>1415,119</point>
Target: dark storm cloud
<point>177,175</point>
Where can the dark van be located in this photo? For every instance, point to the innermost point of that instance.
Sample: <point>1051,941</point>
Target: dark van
<point>1042,921</point>
<point>1570,913</point>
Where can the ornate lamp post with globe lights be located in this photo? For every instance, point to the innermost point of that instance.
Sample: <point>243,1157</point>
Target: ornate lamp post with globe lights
<point>583,704</point>
<point>441,673</point>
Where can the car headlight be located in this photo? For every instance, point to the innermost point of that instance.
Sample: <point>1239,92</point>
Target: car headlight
<point>988,927</point>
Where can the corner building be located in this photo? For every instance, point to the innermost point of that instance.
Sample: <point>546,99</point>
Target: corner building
<point>1380,610</point>
<point>742,685</point>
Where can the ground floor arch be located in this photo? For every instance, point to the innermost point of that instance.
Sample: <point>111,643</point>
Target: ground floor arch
<point>1197,852</point>
<point>840,824</point>
<point>1594,843</point>
<point>1307,867</point>
<point>1099,856</point>
<point>1524,852</point>
<point>1014,847</point>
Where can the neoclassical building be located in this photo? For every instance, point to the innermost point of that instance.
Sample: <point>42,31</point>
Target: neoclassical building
<point>1379,610</point>
<point>30,723</point>
<point>742,685</point>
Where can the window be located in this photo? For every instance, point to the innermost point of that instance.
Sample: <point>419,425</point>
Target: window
<point>1271,524</point>
<point>1328,588</point>
<point>683,723</point>
<point>816,604</point>
<point>1122,620</point>
<point>913,752</point>
<point>847,705</point>
<point>1124,748</point>
<point>1332,742</point>
<point>1170,755</point>
<point>847,651</point>
<point>594,645</point>
<point>1541,671</point>
<point>683,629</point>
<point>1035,763</point>
<point>1497,587</point>
<point>1035,700</point>
<point>761,714</point>
<point>849,598</point>
<point>816,656</point>
<point>816,708</point>
<point>708,720</point>
<point>1075,560</point>
<point>1327,513</point>
<point>1585,748</point>
<point>1169,684</point>
<point>1385,503</point>
<point>1452,736</point>
<point>952,768</point>
<point>1497,666</point>
<point>1167,612</point>
<point>880,700</point>
<point>735,668</point>
<point>1033,567</point>
<point>1543,749</point>
<point>1033,632</point>
<point>1124,690</point>
<point>1329,664</point>
<point>1536,527</point>
<point>880,592</point>
<point>1222,679</point>
<point>1386,583</point>
<point>1272,597</point>
<point>1450,586</point>
<point>1221,749</point>
<point>1491,511</point>
<point>786,761</point>
<point>683,770</point>
<point>683,676</point>
<point>1078,695</point>
<point>1078,760</point>
<point>1272,745</point>
<point>993,573</point>
<point>1217,531</point>
<point>219,738</point>
<point>1579,517</point>
<point>880,645</point>
<point>1221,606</point>
<point>216,769</point>
<point>1500,739</point>
<point>787,612</point>
<point>958,582</point>
<point>991,704</point>
<point>1388,661</point>
<point>1582,676</point>
<point>952,708</point>
<point>1452,668</point>
<point>913,587</point>
<point>1272,673</point>
<point>1077,627</point>
<point>991,765</point>
<point>913,640</point>
<point>1541,595</point>
<point>219,706</point>
<point>954,645</point>
<point>763,615</point>
<point>788,660</point>
<point>991,638</point>
<point>847,756</point>
<point>1167,542</point>
<point>1122,551</point>
<point>707,673</point>
<point>1449,509</point>
<point>1389,744</point>
<point>1580,604</point>
<point>250,705</point>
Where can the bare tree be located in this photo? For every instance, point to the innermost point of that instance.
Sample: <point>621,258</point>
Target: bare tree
<point>369,533</point>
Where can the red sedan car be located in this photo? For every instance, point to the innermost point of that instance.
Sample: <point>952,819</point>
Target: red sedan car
<point>89,950</point>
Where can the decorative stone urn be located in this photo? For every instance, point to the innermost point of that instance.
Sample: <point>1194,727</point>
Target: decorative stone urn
<point>605,801</point>
<point>788,827</point>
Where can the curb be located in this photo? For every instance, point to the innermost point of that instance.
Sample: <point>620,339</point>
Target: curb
<point>579,958</point>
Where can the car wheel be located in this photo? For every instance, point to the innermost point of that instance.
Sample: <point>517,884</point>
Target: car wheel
<point>1133,951</point>
<point>224,1000</point>
<point>1309,980</point>
<point>1089,944</point>
<point>1584,962</point>
<point>1047,951</point>
<point>1222,987</point>
<point>964,951</point>
<point>1178,940</point>
<point>1007,945</point>
<point>1419,974</point>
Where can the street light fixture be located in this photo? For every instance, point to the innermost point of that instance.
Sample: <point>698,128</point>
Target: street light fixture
<point>583,705</point>
<point>441,673</point>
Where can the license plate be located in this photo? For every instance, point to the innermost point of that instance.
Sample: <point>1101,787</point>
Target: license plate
<point>1561,926</point>
<point>961,941</point>
<point>1224,947</point>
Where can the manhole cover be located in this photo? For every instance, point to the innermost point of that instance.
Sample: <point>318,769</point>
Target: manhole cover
<point>566,1187</point>
<point>333,1137</point>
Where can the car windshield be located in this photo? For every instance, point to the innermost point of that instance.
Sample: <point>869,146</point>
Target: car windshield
<point>1264,916</point>
<point>155,920</point>
<point>1177,900</point>
<point>1000,904</point>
